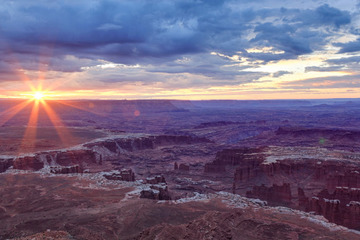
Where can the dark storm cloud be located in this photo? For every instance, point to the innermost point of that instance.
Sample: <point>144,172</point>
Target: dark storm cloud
<point>293,34</point>
<point>281,37</point>
<point>350,47</point>
<point>325,15</point>
<point>158,33</point>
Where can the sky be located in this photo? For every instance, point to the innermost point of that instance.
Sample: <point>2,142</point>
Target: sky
<point>180,49</point>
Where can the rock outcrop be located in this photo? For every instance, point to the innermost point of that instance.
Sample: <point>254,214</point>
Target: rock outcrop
<point>83,156</point>
<point>28,163</point>
<point>184,167</point>
<point>156,192</point>
<point>341,207</point>
<point>65,169</point>
<point>274,195</point>
<point>119,145</point>
<point>59,159</point>
<point>5,163</point>
<point>92,154</point>
<point>122,175</point>
<point>233,157</point>
<point>155,180</point>
<point>274,174</point>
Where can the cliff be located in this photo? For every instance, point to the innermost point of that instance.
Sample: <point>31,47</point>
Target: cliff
<point>119,145</point>
<point>341,207</point>
<point>5,163</point>
<point>291,176</point>
<point>274,195</point>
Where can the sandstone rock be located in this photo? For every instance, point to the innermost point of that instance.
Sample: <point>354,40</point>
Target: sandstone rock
<point>72,157</point>
<point>156,192</point>
<point>5,164</point>
<point>258,174</point>
<point>147,142</point>
<point>65,169</point>
<point>184,167</point>
<point>123,175</point>
<point>176,167</point>
<point>341,207</point>
<point>275,195</point>
<point>155,180</point>
<point>233,157</point>
<point>28,163</point>
<point>343,179</point>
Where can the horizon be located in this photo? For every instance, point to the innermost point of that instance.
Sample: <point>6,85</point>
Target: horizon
<point>175,99</point>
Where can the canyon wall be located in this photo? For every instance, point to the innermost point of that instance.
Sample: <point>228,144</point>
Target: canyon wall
<point>130,144</point>
<point>309,179</point>
<point>5,163</point>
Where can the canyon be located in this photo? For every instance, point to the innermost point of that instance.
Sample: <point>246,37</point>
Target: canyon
<point>136,173</point>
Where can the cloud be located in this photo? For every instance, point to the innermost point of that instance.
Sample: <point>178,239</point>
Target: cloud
<point>346,60</point>
<point>349,81</point>
<point>350,47</point>
<point>326,15</point>
<point>78,37</point>
<point>280,73</point>
<point>281,38</point>
<point>324,69</point>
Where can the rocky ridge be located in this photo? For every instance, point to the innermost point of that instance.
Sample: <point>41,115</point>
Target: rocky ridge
<point>274,174</point>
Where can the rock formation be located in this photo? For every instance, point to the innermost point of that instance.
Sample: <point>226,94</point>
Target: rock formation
<point>65,169</point>
<point>274,195</point>
<point>5,163</point>
<point>119,145</point>
<point>156,192</point>
<point>184,167</point>
<point>176,167</point>
<point>28,163</point>
<point>328,179</point>
<point>122,175</point>
<point>234,157</point>
<point>155,180</point>
<point>341,207</point>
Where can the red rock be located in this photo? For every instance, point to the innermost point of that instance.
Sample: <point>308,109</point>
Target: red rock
<point>147,142</point>
<point>72,157</point>
<point>156,192</point>
<point>176,167</point>
<point>123,175</point>
<point>233,157</point>
<point>273,181</point>
<point>275,195</point>
<point>65,169</point>
<point>5,164</point>
<point>341,207</point>
<point>28,163</point>
<point>184,167</point>
<point>155,180</point>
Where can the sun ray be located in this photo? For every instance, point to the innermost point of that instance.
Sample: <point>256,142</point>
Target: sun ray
<point>11,112</point>
<point>67,103</point>
<point>29,139</point>
<point>60,128</point>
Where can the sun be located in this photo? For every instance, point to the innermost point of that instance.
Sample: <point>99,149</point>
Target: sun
<point>38,95</point>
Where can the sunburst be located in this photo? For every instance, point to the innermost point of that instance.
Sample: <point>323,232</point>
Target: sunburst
<point>38,95</point>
